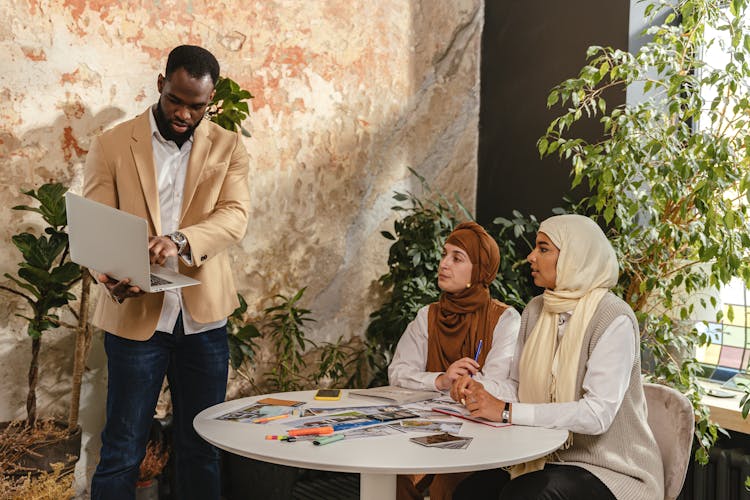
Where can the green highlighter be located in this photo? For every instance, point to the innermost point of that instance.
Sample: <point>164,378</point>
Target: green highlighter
<point>328,439</point>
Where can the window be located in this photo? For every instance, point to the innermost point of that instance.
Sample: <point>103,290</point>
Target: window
<point>729,350</point>
<point>728,353</point>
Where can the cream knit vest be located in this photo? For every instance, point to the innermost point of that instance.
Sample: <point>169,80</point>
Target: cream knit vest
<point>625,458</point>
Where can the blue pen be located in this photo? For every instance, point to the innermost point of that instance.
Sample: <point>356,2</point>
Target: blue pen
<point>479,350</point>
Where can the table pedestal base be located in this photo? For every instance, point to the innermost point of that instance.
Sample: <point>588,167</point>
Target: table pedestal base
<point>377,486</point>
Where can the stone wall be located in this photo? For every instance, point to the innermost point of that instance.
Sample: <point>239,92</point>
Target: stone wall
<point>348,94</point>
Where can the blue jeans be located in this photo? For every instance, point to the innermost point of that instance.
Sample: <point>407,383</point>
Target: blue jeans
<point>196,369</point>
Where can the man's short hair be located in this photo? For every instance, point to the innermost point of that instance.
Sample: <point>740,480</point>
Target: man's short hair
<point>197,61</point>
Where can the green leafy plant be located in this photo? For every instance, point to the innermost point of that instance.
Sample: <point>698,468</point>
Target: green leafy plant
<point>229,108</point>
<point>285,323</point>
<point>45,277</point>
<point>673,194</point>
<point>342,364</point>
<point>298,362</point>
<point>413,260</point>
<point>242,337</point>
<point>515,238</point>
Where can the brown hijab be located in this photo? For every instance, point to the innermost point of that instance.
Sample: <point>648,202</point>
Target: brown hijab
<point>459,320</point>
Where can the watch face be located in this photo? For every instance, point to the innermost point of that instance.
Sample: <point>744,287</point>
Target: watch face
<point>179,240</point>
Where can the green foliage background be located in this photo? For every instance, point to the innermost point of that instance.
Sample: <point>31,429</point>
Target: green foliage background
<point>669,176</point>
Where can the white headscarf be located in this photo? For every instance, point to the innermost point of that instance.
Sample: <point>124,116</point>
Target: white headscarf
<point>586,270</point>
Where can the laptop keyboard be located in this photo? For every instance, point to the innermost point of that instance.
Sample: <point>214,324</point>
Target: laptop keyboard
<point>156,281</point>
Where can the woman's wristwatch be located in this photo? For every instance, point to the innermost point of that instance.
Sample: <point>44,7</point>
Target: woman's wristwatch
<point>507,412</point>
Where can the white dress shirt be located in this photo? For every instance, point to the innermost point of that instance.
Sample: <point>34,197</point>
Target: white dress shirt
<point>171,168</point>
<point>410,359</point>
<point>604,384</point>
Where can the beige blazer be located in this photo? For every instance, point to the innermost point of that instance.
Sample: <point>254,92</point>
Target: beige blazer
<point>120,172</point>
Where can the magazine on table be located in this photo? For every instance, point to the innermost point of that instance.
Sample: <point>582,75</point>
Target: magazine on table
<point>443,440</point>
<point>352,418</point>
<point>431,425</point>
<point>266,407</point>
<point>394,394</point>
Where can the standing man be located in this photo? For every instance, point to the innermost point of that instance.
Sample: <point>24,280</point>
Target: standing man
<point>188,178</point>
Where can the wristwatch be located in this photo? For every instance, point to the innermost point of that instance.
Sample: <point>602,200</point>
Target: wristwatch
<point>506,413</point>
<point>180,240</point>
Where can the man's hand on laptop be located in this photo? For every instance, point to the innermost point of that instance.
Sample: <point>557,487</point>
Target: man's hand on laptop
<point>119,290</point>
<point>159,248</point>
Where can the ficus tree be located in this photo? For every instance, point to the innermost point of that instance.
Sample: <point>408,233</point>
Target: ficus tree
<point>669,176</point>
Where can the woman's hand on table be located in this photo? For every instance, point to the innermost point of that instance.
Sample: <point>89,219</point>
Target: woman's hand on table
<point>457,369</point>
<point>476,399</point>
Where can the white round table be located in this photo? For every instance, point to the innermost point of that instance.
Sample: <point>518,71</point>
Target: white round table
<point>378,460</point>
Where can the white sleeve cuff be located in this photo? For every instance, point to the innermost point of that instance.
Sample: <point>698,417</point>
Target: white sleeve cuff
<point>187,259</point>
<point>522,414</point>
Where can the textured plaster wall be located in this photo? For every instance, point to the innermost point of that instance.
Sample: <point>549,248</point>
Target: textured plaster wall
<point>348,94</point>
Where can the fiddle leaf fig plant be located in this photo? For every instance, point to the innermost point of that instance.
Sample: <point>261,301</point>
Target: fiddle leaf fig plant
<point>44,277</point>
<point>229,108</point>
<point>669,176</point>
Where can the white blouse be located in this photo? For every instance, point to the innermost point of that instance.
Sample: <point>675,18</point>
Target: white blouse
<point>604,384</point>
<point>407,369</point>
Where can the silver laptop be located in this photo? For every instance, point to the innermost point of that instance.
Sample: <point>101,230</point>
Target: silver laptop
<point>115,243</point>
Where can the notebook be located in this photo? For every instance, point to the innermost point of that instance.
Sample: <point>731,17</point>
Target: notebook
<point>461,412</point>
<point>115,243</point>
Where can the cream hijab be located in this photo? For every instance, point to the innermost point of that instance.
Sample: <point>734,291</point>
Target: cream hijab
<point>586,270</point>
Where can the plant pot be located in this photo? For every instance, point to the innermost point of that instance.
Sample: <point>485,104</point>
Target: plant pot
<point>147,490</point>
<point>40,457</point>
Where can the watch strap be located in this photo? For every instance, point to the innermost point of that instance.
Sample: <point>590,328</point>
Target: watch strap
<point>506,413</point>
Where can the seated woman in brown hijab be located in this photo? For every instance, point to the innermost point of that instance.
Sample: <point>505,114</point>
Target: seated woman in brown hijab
<point>440,345</point>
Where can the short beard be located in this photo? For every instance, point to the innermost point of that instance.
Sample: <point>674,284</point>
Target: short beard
<point>166,131</point>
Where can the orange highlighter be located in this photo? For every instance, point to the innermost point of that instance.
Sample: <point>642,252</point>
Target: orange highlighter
<point>263,420</point>
<point>310,431</point>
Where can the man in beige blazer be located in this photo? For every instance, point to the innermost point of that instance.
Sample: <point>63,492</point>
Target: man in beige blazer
<point>188,178</point>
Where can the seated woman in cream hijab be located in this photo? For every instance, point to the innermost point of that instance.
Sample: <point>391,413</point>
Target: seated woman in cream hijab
<point>577,367</point>
<point>440,344</point>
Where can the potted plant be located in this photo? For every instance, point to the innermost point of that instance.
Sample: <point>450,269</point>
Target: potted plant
<point>45,280</point>
<point>670,176</point>
<point>55,484</point>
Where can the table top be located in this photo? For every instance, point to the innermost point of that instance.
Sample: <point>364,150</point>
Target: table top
<point>726,411</point>
<point>491,447</point>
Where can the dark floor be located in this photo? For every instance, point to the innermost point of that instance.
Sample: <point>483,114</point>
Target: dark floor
<point>327,485</point>
<point>245,479</point>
